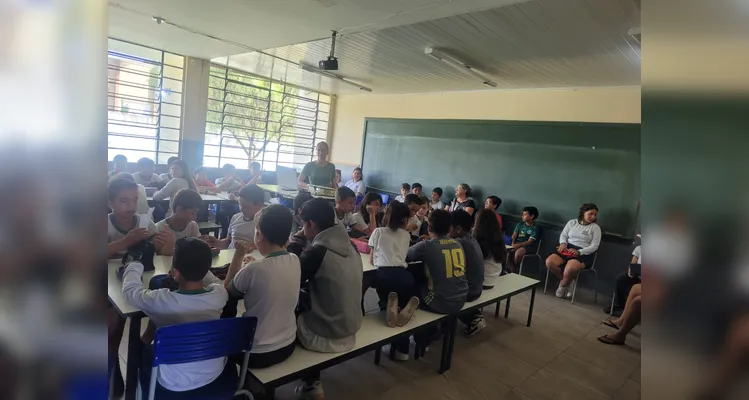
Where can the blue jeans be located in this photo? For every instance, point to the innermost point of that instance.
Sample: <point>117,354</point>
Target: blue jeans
<point>222,387</point>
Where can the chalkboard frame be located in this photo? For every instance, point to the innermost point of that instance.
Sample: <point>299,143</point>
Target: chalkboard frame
<point>613,142</point>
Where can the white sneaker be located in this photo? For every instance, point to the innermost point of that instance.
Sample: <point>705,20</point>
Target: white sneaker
<point>477,325</point>
<point>314,392</point>
<point>398,355</point>
<point>561,291</point>
<point>572,288</point>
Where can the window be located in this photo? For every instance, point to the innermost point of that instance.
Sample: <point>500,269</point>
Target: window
<point>251,118</point>
<point>144,108</point>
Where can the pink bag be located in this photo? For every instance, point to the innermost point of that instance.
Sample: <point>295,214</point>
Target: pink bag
<point>362,246</point>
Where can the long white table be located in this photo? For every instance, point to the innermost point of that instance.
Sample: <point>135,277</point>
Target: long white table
<point>207,198</point>
<point>289,192</point>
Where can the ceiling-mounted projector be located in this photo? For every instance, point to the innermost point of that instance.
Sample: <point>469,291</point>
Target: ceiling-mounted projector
<point>331,63</point>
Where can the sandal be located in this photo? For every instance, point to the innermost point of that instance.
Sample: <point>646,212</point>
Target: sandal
<point>607,340</point>
<point>610,323</point>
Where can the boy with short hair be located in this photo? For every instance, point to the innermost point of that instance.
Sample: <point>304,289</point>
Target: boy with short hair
<point>474,267</point>
<point>119,164</point>
<point>256,173</point>
<point>297,241</point>
<point>333,268</point>
<point>181,223</point>
<point>145,175</point>
<point>436,203</point>
<point>270,287</point>
<point>230,182</point>
<point>200,297</point>
<point>493,203</point>
<point>345,200</point>
<point>124,225</point>
<point>201,180</point>
<point>414,204</point>
<point>524,236</point>
<point>405,189</point>
<point>167,176</point>
<point>241,225</point>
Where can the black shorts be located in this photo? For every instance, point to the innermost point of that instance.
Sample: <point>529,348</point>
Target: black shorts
<point>586,260</point>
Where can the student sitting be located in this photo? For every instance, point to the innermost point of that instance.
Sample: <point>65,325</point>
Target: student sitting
<point>491,241</point>
<point>181,223</point>
<point>181,179</point>
<point>242,225</point>
<point>624,283</point>
<point>578,242</point>
<point>200,297</point>
<point>344,206</point>
<point>333,268</point>
<point>145,175</point>
<point>405,189</point>
<point>474,268</point>
<point>124,226</point>
<point>296,223</point>
<point>436,203</point>
<point>256,174</point>
<point>270,287</point>
<point>119,164</point>
<point>524,237</point>
<point>337,182</point>
<point>493,203</point>
<point>356,183</point>
<point>143,207</point>
<point>167,176</point>
<point>365,220</point>
<point>440,282</point>
<point>414,204</point>
<point>629,319</point>
<point>394,283</point>
<point>463,200</point>
<point>230,182</point>
<point>202,182</point>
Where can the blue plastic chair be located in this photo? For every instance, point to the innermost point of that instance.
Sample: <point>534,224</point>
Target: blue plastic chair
<point>359,198</point>
<point>199,341</point>
<point>385,198</point>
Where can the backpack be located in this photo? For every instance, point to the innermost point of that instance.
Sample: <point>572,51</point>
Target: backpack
<point>143,251</point>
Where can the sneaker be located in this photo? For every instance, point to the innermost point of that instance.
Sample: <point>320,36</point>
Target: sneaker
<point>477,325</point>
<point>571,289</point>
<point>314,392</point>
<point>398,355</point>
<point>561,291</point>
<point>408,311</point>
<point>391,317</point>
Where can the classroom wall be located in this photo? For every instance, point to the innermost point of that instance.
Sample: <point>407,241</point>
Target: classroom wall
<point>609,104</point>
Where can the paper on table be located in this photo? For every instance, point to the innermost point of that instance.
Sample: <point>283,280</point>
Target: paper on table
<point>143,221</point>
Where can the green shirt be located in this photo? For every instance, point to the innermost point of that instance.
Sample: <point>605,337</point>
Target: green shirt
<point>525,232</point>
<point>319,175</point>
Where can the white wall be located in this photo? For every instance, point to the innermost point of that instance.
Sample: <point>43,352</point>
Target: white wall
<point>611,104</point>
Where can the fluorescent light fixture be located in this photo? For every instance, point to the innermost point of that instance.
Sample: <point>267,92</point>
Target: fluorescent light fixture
<point>327,74</point>
<point>455,63</point>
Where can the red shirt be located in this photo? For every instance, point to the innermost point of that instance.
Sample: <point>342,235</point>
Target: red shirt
<point>499,219</point>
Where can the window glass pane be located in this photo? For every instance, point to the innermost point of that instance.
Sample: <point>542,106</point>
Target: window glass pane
<point>211,162</point>
<point>142,97</point>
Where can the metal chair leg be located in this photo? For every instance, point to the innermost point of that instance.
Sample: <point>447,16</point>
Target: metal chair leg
<point>613,299</point>
<point>574,289</point>
<point>595,288</point>
<point>547,280</point>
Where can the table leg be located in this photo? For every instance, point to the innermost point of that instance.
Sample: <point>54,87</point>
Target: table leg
<point>134,351</point>
<point>530,310</point>
<point>507,307</point>
<point>445,350</point>
<point>496,310</point>
<point>378,354</point>
<point>453,333</point>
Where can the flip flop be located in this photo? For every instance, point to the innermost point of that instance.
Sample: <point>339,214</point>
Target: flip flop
<point>391,316</point>
<point>610,323</point>
<point>408,311</point>
<point>607,340</point>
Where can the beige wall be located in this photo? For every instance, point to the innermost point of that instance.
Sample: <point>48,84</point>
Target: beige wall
<point>615,104</point>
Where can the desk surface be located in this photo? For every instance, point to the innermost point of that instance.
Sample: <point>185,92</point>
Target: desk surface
<point>289,193</point>
<point>218,197</point>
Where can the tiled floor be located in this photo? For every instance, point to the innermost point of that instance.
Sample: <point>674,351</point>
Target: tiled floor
<point>557,358</point>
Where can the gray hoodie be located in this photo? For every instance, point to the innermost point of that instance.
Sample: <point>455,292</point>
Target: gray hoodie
<point>334,270</point>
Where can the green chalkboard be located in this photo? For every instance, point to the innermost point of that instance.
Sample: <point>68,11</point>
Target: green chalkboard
<point>555,166</point>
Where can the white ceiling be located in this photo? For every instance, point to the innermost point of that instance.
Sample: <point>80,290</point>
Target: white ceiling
<point>531,44</point>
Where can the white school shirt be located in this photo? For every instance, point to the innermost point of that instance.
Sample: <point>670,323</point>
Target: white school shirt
<point>415,220</point>
<point>232,188</point>
<point>359,222</point>
<point>165,307</point>
<point>348,220</point>
<point>153,179</point>
<point>399,198</point>
<point>271,291</point>
<point>169,190</point>
<point>191,229</point>
<point>114,233</point>
<point>390,247</point>
<point>357,187</point>
<point>492,270</point>
<point>439,205</point>
<point>241,229</point>
<point>637,252</point>
<point>587,237</point>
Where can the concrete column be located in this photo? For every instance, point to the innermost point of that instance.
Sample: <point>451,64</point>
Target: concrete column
<point>194,108</point>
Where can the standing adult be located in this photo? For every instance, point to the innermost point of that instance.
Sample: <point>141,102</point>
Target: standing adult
<point>319,172</point>
<point>462,200</point>
<point>356,183</point>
